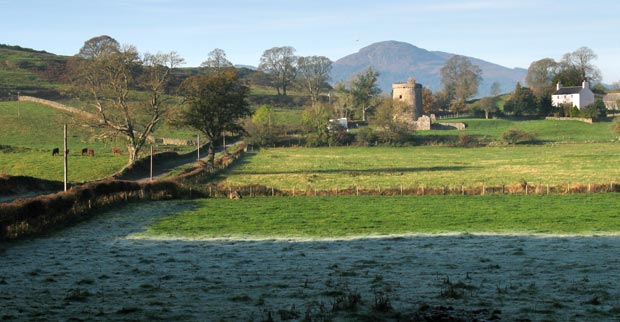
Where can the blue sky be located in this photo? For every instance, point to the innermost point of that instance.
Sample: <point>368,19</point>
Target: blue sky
<point>509,33</point>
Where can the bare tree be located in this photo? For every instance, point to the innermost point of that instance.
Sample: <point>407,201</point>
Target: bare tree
<point>217,61</point>
<point>496,89</point>
<point>582,59</point>
<point>460,78</point>
<point>110,76</point>
<point>313,74</point>
<point>280,63</point>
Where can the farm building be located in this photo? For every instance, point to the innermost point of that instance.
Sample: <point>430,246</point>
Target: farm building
<point>579,96</point>
<point>612,101</point>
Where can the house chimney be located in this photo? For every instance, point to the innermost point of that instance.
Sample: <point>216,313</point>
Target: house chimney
<point>584,84</point>
<point>558,86</point>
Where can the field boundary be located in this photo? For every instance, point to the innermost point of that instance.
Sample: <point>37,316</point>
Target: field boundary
<point>39,215</point>
<point>580,119</point>
<point>219,191</point>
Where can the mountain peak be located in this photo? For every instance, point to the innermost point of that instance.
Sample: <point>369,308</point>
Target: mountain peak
<point>397,61</point>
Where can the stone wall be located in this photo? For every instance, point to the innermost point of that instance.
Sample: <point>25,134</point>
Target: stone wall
<point>55,105</point>
<point>449,126</point>
<point>580,119</point>
<point>73,110</point>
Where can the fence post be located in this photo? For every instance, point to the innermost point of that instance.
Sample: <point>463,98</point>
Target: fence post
<point>483,188</point>
<point>526,185</point>
<point>401,189</point>
<point>272,192</point>
<point>357,191</point>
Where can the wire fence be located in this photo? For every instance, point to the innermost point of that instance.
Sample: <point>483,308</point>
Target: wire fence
<point>218,191</point>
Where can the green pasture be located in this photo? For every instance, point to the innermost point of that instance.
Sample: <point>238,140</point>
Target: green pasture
<point>341,217</point>
<point>41,164</point>
<point>431,166</point>
<point>28,134</point>
<point>546,131</point>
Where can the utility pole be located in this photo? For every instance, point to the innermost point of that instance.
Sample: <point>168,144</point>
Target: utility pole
<point>66,158</point>
<point>151,172</point>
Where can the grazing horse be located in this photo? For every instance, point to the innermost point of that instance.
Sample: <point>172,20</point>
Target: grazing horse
<point>116,151</point>
<point>91,152</point>
<point>56,151</point>
<point>235,195</point>
<point>84,151</point>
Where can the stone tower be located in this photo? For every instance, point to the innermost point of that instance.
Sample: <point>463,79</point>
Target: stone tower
<point>411,94</point>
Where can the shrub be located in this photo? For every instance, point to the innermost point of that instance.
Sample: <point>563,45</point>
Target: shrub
<point>594,110</point>
<point>365,136</point>
<point>515,135</point>
<point>465,140</point>
<point>314,140</point>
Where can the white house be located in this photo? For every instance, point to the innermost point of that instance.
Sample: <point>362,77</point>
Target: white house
<point>579,96</point>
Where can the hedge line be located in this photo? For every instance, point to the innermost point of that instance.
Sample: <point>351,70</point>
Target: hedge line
<point>32,216</point>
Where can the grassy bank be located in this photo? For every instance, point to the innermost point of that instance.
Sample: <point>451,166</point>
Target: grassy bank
<point>324,217</point>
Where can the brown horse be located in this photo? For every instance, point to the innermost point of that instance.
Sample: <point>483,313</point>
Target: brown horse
<point>116,151</point>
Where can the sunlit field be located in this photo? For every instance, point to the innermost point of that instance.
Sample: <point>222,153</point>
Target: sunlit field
<point>345,167</point>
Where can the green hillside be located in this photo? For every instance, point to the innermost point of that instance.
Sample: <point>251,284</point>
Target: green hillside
<point>30,131</point>
<point>29,71</point>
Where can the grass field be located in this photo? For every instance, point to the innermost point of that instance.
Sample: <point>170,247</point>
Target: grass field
<point>29,132</point>
<point>101,269</point>
<point>344,217</point>
<point>545,130</point>
<point>344,167</point>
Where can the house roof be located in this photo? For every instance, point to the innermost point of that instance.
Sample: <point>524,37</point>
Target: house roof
<point>568,90</point>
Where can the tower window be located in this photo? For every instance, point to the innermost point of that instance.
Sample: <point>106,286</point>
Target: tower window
<point>400,97</point>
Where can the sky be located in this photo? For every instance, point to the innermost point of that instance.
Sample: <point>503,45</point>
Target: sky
<point>509,33</point>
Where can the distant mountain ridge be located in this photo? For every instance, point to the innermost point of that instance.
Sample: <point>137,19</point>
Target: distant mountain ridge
<point>397,61</point>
